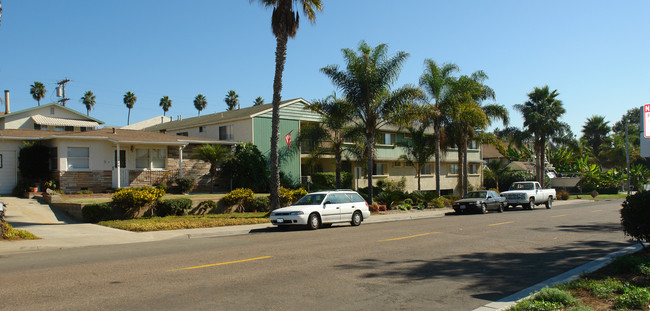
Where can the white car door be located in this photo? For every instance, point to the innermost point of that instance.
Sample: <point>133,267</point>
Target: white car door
<point>348,207</point>
<point>331,209</point>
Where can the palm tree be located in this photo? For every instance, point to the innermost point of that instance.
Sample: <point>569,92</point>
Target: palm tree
<point>38,91</point>
<point>258,101</point>
<point>284,23</point>
<point>435,81</point>
<point>542,113</point>
<point>0,11</point>
<point>89,100</point>
<point>215,155</point>
<point>595,132</point>
<point>232,100</point>
<point>165,103</point>
<point>129,101</point>
<point>366,84</point>
<point>200,102</point>
<point>418,149</point>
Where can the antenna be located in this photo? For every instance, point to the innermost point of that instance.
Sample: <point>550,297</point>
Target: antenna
<point>60,91</point>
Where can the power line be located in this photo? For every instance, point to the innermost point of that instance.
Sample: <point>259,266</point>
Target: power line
<point>62,88</point>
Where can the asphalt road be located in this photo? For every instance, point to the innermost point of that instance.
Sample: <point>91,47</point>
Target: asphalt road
<point>448,263</point>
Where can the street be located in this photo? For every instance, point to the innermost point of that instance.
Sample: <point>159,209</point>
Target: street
<point>449,263</point>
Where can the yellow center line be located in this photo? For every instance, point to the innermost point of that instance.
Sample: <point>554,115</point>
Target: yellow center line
<point>220,264</point>
<point>501,223</point>
<point>408,237</point>
<point>558,216</point>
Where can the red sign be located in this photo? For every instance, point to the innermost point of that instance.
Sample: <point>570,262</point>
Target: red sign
<point>287,138</point>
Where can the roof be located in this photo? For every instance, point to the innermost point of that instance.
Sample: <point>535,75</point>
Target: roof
<point>491,152</point>
<point>109,134</point>
<point>43,120</point>
<point>521,166</point>
<point>148,122</point>
<point>81,115</point>
<point>248,112</point>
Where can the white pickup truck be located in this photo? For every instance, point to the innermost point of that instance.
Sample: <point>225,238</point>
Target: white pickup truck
<point>529,194</point>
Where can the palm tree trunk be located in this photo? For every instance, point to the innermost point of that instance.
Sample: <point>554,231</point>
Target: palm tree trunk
<point>337,158</point>
<point>128,119</point>
<point>370,139</point>
<point>465,169</point>
<point>437,155</point>
<point>280,58</point>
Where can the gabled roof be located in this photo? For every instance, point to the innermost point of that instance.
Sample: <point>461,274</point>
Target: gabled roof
<point>232,115</point>
<point>81,115</point>
<point>110,134</point>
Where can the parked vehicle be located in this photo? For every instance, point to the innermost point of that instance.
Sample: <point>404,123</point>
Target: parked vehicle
<point>529,194</point>
<point>480,201</point>
<point>322,209</point>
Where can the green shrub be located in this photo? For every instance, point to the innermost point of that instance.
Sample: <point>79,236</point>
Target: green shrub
<point>288,196</point>
<point>260,204</point>
<point>238,196</point>
<point>633,298</point>
<point>604,289</point>
<point>632,263</point>
<point>84,192</point>
<point>210,205</point>
<point>563,195</point>
<point>50,184</point>
<point>97,212</point>
<point>131,200</point>
<point>536,305</point>
<point>557,295</point>
<point>438,203</point>
<point>185,184</point>
<point>327,180</point>
<point>635,216</point>
<point>580,308</point>
<point>173,207</point>
<point>163,186</point>
<point>408,201</point>
<point>21,188</point>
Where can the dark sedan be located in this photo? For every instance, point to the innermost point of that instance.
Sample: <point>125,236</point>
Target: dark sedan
<point>480,201</point>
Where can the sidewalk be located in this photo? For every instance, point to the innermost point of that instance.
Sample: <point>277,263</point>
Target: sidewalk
<point>58,231</point>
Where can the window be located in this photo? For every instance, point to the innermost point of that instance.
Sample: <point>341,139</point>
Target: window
<point>386,139</point>
<point>69,128</point>
<point>473,168</point>
<point>453,168</point>
<point>408,164</point>
<point>397,164</point>
<point>426,169</point>
<point>473,145</point>
<point>78,158</point>
<point>201,129</point>
<point>141,158</point>
<point>182,134</point>
<point>225,132</point>
<point>406,135</point>
<point>37,126</point>
<point>51,110</point>
<point>59,128</point>
<point>158,158</point>
<point>378,169</point>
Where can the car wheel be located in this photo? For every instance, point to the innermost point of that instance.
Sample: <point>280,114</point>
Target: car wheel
<point>549,202</point>
<point>484,208</point>
<point>500,210</point>
<point>356,219</point>
<point>531,203</point>
<point>313,222</point>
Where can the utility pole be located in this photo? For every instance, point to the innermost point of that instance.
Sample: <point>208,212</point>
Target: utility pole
<point>627,158</point>
<point>62,91</point>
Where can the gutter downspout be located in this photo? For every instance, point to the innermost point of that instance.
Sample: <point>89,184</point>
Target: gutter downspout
<point>117,165</point>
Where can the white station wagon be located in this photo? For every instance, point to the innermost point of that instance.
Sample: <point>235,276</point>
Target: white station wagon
<point>322,209</point>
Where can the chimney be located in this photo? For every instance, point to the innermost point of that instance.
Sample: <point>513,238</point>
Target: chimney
<point>114,131</point>
<point>7,102</point>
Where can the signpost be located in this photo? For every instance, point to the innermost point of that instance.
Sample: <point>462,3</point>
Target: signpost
<point>645,136</point>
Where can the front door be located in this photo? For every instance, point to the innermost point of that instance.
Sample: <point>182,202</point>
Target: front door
<point>124,172</point>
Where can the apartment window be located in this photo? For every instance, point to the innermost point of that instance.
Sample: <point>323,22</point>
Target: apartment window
<point>225,132</point>
<point>141,158</point>
<point>386,139</point>
<point>78,158</point>
<point>426,169</point>
<point>473,168</point>
<point>473,145</point>
<point>182,134</point>
<point>378,169</point>
<point>158,158</point>
<point>453,168</point>
<point>201,128</point>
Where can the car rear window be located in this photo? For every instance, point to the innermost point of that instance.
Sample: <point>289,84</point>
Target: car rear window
<point>355,197</point>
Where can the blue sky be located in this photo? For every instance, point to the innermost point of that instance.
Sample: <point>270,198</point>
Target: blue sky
<point>595,53</point>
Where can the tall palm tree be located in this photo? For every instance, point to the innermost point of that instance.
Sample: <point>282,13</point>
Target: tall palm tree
<point>215,155</point>
<point>129,101</point>
<point>165,103</point>
<point>542,112</point>
<point>0,11</point>
<point>418,149</point>
<point>38,91</point>
<point>595,133</point>
<point>284,23</point>
<point>200,102</point>
<point>366,84</point>
<point>232,100</point>
<point>436,81</point>
<point>258,101</point>
<point>89,100</point>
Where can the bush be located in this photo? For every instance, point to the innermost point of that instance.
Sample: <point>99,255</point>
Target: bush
<point>635,216</point>
<point>327,180</point>
<point>389,197</point>
<point>163,186</point>
<point>632,263</point>
<point>131,200</point>
<point>633,298</point>
<point>97,212</point>
<point>438,203</point>
<point>536,305</point>
<point>185,184</point>
<point>173,207</point>
<point>260,204</point>
<point>557,295</point>
<point>288,196</point>
<point>50,184</point>
<point>563,195</point>
<point>238,196</point>
<point>206,205</point>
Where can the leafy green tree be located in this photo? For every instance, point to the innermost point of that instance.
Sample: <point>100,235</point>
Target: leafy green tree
<point>633,119</point>
<point>247,168</point>
<point>328,136</point>
<point>496,170</point>
<point>129,101</point>
<point>595,133</point>
<point>232,100</point>
<point>258,101</point>
<point>418,149</point>
<point>542,113</point>
<point>89,101</point>
<point>436,81</point>
<point>366,83</point>
<point>200,102</point>
<point>215,155</point>
<point>284,23</point>
<point>38,91</point>
<point>165,103</point>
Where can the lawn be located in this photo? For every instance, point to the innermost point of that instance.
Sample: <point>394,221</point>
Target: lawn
<point>621,285</point>
<point>587,196</point>
<point>187,222</point>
